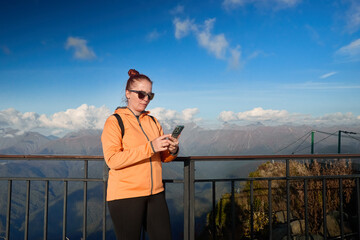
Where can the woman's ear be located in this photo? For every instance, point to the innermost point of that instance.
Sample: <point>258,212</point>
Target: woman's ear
<point>127,94</point>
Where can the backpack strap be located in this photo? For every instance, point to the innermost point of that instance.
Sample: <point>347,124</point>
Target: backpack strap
<point>121,124</point>
<point>106,168</point>
<point>155,122</point>
<point>153,119</point>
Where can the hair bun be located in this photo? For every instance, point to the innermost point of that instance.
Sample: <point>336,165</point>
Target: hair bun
<point>133,72</point>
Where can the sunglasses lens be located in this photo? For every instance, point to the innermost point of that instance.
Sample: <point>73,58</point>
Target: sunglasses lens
<point>141,95</point>
<point>151,96</point>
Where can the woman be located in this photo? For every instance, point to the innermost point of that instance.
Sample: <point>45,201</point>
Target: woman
<point>135,192</point>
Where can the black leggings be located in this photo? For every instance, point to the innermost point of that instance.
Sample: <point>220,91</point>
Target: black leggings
<point>151,212</point>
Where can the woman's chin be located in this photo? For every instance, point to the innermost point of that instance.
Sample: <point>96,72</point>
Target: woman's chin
<point>142,107</point>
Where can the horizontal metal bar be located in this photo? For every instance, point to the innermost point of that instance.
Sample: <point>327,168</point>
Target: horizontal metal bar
<point>279,178</point>
<point>181,159</point>
<point>182,181</point>
<point>273,157</point>
<point>173,181</point>
<point>54,157</point>
<point>51,179</point>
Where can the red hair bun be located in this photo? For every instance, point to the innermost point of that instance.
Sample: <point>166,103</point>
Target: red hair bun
<point>133,72</point>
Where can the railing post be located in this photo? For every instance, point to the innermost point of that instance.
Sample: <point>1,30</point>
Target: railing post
<point>186,198</point>
<point>8,211</point>
<point>324,208</point>
<point>252,209</point>
<point>86,174</point>
<point>46,207</point>
<point>306,209</point>
<point>189,199</point>
<point>233,217</point>
<point>27,210</point>
<point>104,211</point>
<point>192,200</point>
<point>270,211</point>
<point>341,208</point>
<point>65,210</point>
<point>213,218</point>
<point>358,204</point>
<point>288,198</point>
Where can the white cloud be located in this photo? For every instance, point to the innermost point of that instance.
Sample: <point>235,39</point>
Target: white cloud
<point>352,17</point>
<point>91,117</point>
<point>183,28</point>
<point>189,113</point>
<point>83,117</point>
<point>351,51</point>
<point>154,35</point>
<point>310,85</point>
<point>15,119</point>
<point>273,4</point>
<point>338,118</point>
<point>8,136</point>
<point>234,60</point>
<point>81,50</point>
<point>177,10</point>
<point>328,75</point>
<point>314,35</point>
<point>276,117</point>
<point>228,4</point>
<point>227,116</point>
<point>287,3</point>
<point>215,44</point>
<point>171,117</point>
<point>260,114</point>
<point>256,54</point>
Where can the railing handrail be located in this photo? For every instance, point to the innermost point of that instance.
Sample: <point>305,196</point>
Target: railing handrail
<point>196,158</point>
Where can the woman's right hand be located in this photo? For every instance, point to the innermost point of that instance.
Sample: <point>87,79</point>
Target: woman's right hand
<point>161,143</point>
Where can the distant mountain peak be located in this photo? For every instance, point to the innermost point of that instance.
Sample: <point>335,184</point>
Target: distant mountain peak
<point>257,124</point>
<point>52,137</point>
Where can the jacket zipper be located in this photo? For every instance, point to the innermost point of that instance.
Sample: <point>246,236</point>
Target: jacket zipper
<point>151,172</point>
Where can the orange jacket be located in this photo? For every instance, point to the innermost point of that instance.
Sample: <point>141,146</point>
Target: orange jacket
<point>135,169</point>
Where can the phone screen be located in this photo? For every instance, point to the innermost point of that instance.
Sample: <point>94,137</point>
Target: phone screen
<point>177,131</point>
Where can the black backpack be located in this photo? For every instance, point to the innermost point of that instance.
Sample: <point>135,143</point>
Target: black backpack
<point>121,125</point>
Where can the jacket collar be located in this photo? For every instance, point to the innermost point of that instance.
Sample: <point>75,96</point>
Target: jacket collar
<point>127,111</point>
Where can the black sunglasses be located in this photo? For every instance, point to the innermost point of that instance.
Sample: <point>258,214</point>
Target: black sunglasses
<point>142,94</point>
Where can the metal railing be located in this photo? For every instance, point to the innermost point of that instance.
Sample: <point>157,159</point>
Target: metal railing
<point>189,182</point>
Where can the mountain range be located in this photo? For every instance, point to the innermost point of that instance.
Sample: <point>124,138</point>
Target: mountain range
<point>230,139</point>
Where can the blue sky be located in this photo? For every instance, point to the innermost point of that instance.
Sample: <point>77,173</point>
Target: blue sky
<point>63,63</point>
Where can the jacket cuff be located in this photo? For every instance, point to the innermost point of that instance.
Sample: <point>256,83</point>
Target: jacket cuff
<point>152,147</point>
<point>177,151</point>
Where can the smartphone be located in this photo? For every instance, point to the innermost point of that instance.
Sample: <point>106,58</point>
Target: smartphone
<point>177,131</point>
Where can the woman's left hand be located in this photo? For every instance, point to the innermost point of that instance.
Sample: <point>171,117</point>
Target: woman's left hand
<point>174,145</point>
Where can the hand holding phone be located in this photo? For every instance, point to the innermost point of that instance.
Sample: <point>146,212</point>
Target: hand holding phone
<point>177,131</point>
